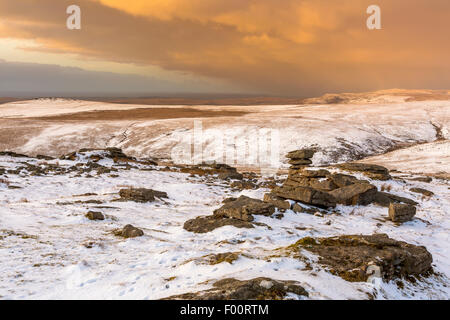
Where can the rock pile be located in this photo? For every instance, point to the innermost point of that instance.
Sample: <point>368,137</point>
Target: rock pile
<point>254,289</point>
<point>322,189</point>
<point>300,158</point>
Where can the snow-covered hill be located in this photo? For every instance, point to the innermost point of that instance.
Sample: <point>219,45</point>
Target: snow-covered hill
<point>341,132</point>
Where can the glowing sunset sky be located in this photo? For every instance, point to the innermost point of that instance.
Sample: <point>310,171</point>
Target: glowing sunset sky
<point>273,47</point>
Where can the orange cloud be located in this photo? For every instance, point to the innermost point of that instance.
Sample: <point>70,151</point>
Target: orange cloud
<point>289,47</point>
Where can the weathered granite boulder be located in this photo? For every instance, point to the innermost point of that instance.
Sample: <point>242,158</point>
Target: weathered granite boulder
<point>309,173</point>
<point>301,154</point>
<point>372,171</point>
<point>243,185</point>
<point>299,159</point>
<point>315,183</point>
<point>343,180</point>
<point>300,162</point>
<point>401,212</point>
<point>384,199</point>
<point>306,195</point>
<point>141,195</point>
<point>224,171</point>
<point>254,289</point>
<point>277,201</point>
<point>354,257</point>
<point>244,208</point>
<point>355,194</point>
<point>93,215</point>
<point>206,224</point>
<point>129,231</point>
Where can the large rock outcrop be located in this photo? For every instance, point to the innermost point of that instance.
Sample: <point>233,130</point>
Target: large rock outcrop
<point>355,257</point>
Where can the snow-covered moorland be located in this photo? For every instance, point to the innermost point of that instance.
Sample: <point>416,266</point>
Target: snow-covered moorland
<point>50,250</point>
<point>62,219</point>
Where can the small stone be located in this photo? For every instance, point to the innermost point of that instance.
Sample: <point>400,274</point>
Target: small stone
<point>130,231</point>
<point>93,215</point>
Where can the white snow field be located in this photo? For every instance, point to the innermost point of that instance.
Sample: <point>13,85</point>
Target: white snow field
<point>45,238</point>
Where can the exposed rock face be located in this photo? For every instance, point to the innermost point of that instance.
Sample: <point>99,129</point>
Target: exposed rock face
<point>129,231</point>
<point>384,199</point>
<point>422,191</point>
<point>209,223</point>
<point>372,171</point>
<point>306,195</point>
<point>401,212</point>
<point>355,194</point>
<point>351,256</point>
<point>93,215</point>
<point>254,289</point>
<point>277,201</point>
<point>141,195</point>
<point>244,208</point>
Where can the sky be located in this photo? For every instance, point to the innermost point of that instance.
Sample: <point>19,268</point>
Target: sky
<point>295,48</point>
